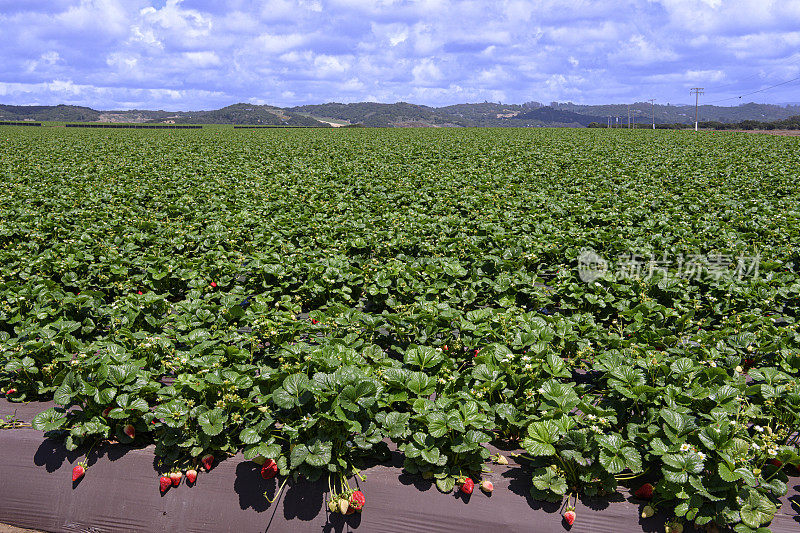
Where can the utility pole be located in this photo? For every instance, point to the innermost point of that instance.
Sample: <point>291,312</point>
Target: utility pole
<point>653,101</point>
<point>629,116</point>
<point>696,91</point>
<point>633,117</point>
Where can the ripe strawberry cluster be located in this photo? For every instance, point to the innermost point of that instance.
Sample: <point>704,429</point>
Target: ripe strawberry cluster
<point>348,502</point>
<point>173,479</point>
<point>467,485</point>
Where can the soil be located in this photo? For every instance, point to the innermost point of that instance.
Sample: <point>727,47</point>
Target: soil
<point>4,528</point>
<point>788,133</point>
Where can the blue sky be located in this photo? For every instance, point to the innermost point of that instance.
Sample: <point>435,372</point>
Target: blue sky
<point>204,54</point>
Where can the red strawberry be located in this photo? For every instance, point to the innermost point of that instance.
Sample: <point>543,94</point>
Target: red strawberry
<point>468,486</point>
<point>645,492</point>
<point>487,486</point>
<point>9,392</point>
<point>213,284</point>
<point>208,461</point>
<point>191,475</point>
<point>106,411</point>
<point>269,470</point>
<point>314,321</point>
<point>357,500</point>
<point>78,471</point>
<point>139,292</point>
<point>175,477</point>
<point>129,430</point>
<point>475,352</point>
<point>164,483</point>
<point>444,347</point>
<point>776,462</point>
<point>569,517</point>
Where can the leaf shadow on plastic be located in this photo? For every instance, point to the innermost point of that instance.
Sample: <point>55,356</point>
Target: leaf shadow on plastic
<point>519,483</point>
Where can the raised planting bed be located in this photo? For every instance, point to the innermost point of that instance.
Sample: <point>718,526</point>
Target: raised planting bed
<point>120,492</point>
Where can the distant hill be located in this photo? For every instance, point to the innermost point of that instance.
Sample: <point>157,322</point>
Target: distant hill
<point>669,114</point>
<point>382,115</point>
<point>549,115</point>
<point>233,114</point>
<point>247,114</point>
<point>57,113</point>
<point>404,114</point>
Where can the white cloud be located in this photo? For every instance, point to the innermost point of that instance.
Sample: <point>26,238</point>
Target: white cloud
<point>147,37</point>
<point>276,43</point>
<point>641,51</point>
<point>122,60</point>
<point>192,53</point>
<point>426,72</point>
<point>105,16</point>
<point>47,59</point>
<point>173,23</point>
<point>328,65</point>
<point>205,58</point>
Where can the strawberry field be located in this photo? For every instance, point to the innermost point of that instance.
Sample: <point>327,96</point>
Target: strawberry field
<point>321,299</point>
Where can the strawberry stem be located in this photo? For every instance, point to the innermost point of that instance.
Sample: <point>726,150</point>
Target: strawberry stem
<point>277,493</point>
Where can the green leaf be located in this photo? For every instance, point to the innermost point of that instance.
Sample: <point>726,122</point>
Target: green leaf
<point>437,424</point>
<point>319,453</point>
<point>249,436</point>
<point>430,455</point>
<point>541,437</point>
<point>396,424</point>
<point>445,484</point>
<point>63,394</point>
<point>756,509</point>
<point>296,384</point>
<point>298,455</point>
<point>726,474</point>
<point>423,357</point>
<point>546,479</point>
<point>555,367</point>
<point>212,422</point>
<point>49,420</point>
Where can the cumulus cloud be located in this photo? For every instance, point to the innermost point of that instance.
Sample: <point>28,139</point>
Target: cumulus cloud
<point>203,53</point>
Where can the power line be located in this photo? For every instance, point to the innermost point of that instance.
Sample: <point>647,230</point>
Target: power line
<point>737,82</point>
<point>754,92</point>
